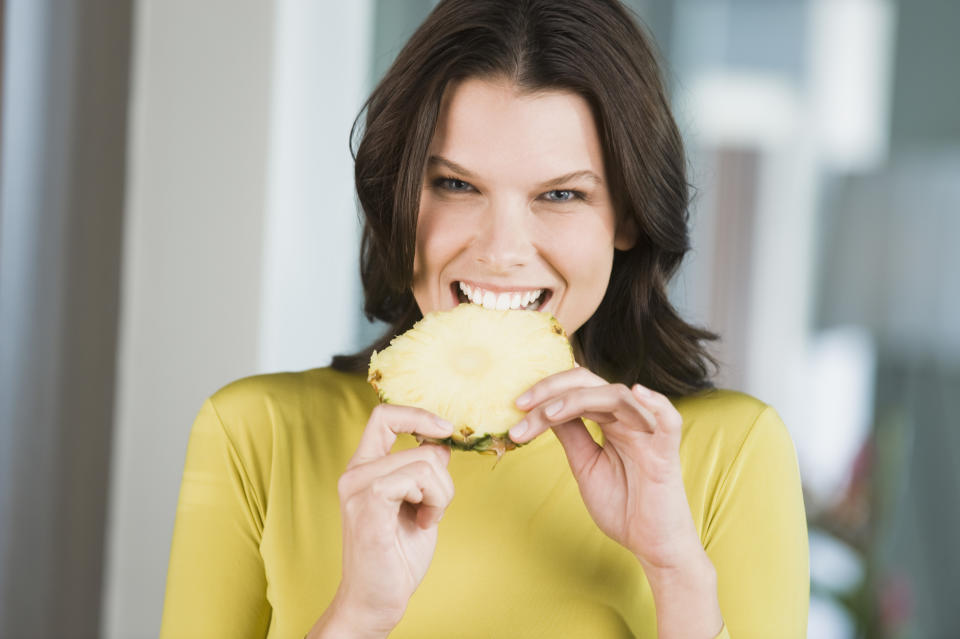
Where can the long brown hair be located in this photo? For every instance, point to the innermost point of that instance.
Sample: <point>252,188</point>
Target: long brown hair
<point>592,48</point>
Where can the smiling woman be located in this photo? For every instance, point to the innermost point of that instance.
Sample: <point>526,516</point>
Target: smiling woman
<point>469,117</point>
<point>517,155</point>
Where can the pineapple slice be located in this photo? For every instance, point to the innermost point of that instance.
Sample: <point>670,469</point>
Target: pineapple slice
<point>468,365</point>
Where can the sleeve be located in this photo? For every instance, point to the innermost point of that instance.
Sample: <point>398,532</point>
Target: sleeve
<point>216,586</point>
<point>757,537</point>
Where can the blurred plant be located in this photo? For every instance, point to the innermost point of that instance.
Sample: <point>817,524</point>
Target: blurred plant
<point>880,603</point>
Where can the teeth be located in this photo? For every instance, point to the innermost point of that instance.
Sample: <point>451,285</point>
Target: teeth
<point>503,301</point>
<point>532,299</point>
<point>469,293</point>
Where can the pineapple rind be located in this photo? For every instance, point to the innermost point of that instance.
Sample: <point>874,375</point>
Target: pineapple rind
<point>488,444</point>
<point>481,412</point>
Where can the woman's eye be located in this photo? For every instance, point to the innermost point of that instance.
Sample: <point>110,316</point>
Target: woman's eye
<point>451,184</point>
<point>559,195</point>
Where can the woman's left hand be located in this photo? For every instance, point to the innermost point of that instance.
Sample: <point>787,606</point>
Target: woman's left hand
<point>632,486</point>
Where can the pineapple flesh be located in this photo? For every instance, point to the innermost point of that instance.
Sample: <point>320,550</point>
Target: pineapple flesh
<point>468,365</point>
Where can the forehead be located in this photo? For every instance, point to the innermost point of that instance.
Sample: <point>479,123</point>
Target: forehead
<point>499,131</point>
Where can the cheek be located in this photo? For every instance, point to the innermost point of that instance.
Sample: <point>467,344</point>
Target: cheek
<point>587,250</point>
<point>585,255</point>
<point>592,271</point>
<point>436,240</point>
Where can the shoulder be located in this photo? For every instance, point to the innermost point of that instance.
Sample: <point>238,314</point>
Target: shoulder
<point>720,404</point>
<point>725,423</point>
<point>736,451</point>
<point>264,405</point>
<point>290,418</point>
<point>256,393</point>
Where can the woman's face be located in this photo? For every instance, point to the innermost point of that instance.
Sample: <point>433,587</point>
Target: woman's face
<point>515,201</point>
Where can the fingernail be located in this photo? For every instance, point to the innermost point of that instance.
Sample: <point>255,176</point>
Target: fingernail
<point>553,408</point>
<point>524,399</point>
<point>444,424</point>
<point>518,430</point>
<point>640,390</point>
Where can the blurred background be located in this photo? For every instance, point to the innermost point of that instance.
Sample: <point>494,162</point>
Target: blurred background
<point>178,212</point>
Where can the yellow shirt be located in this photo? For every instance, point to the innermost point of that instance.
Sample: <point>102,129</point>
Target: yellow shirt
<point>256,545</point>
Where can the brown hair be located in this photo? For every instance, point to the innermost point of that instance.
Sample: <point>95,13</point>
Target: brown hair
<point>594,49</point>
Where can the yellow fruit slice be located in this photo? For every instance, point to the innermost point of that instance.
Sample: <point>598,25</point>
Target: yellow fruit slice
<point>468,365</point>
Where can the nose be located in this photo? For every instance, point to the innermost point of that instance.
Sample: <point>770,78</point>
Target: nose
<point>504,241</point>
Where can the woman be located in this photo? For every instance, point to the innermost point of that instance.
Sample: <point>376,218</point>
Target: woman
<point>513,146</point>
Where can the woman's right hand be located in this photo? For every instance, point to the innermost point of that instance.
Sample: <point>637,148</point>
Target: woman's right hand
<point>390,505</point>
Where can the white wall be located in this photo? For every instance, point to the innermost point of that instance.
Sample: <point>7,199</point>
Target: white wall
<point>191,267</point>
<point>311,237</point>
<point>239,242</point>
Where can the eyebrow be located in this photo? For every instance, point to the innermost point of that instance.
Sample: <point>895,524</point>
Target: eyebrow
<point>566,177</point>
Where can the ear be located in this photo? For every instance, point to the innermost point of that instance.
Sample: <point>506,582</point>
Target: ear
<point>626,235</point>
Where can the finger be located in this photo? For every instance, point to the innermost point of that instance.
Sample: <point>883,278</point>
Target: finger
<point>557,383</point>
<point>578,445</point>
<point>415,483</point>
<point>428,516</point>
<point>387,421</point>
<point>440,450</point>
<point>437,493</point>
<point>358,477</point>
<point>614,400</point>
<point>665,414</point>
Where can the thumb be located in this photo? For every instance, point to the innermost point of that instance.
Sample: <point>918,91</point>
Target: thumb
<point>577,443</point>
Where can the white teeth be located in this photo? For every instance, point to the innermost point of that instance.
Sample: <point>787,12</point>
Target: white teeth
<point>502,301</point>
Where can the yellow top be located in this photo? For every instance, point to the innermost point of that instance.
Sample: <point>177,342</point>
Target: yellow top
<point>256,545</point>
